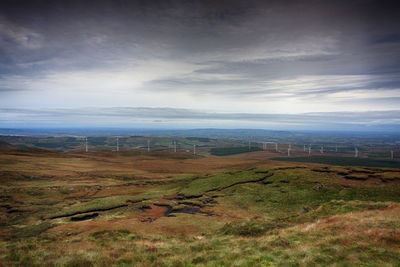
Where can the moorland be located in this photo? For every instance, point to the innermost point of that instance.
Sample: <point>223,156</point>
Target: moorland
<point>165,208</point>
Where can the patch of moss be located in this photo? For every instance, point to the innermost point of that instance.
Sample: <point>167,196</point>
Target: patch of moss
<point>32,230</point>
<point>248,228</point>
<point>335,207</point>
<point>113,235</point>
<point>220,181</point>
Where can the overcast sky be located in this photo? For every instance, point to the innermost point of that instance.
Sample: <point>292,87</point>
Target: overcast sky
<point>255,64</point>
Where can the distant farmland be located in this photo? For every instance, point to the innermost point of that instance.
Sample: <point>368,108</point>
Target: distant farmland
<point>225,151</point>
<point>342,161</point>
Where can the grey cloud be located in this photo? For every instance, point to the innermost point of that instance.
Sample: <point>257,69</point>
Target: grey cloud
<point>121,116</point>
<point>241,85</point>
<point>18,36</point>
<point>196,30</point>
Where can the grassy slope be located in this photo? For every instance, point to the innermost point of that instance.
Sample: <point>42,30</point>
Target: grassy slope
<point>352,239</point>
<point>225,151</point>
<point>261,216</point>
<point>343,161</point>
<point>223,180</point>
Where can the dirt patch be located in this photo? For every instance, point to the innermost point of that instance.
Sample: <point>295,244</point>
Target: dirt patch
<point>150,243</point>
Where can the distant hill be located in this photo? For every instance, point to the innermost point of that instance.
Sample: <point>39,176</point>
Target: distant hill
<point>4,145</point>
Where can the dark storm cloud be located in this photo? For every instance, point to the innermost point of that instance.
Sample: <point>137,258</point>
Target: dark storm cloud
<point>86,33</point>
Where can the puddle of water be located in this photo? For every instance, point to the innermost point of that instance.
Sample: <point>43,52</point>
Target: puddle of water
<point>150,220</point>
<point>144,207</point>
<point>188,210</point>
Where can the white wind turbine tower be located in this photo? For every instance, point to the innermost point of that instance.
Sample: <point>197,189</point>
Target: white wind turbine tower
<point>304,148</point>
<point>276,147</point>
<point>86,144</point>
<point>309,149</point>
<point>336,148</point>
<point>174,146</point>
<point>288,150</point>
<point>148,145</point>
<point>194,149</point>
<point>322,150</point>
<point>391,154</point>
<point>356,152</point>
<point>117,144</point>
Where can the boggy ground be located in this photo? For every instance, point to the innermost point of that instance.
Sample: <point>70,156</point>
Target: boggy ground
<point>174,209</point>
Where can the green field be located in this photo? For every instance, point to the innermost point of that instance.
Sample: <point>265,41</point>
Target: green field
<point>342,161</point>
<point>225,151</point>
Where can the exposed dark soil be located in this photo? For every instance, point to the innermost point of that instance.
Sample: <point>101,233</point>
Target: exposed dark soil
<point>84,217</point>
<point>95,210</point>
<point>244,182</point>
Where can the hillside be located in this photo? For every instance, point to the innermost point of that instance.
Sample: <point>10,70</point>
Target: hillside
<point>175,209</point>
<point>4,145</point>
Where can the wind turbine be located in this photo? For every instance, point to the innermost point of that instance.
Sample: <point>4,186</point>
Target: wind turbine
<point>86,144</point>
<point>322,150</point>
<point>148,145</point>
<point>309,149</point>
<point>391,154</point>
<point>194,149</point>
<point>117,144</point>
<point>288,150</point>
<point>356,152</point>
<point>174,146</point>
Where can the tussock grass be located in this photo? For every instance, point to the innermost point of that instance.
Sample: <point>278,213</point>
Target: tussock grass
<point>105,236</point>
<point>249,229</point>
<point>335,207</point>
<point>32,230</point>
<point>220,181</point>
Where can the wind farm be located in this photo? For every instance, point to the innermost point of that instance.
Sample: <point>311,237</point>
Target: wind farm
<point>119,200</point>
